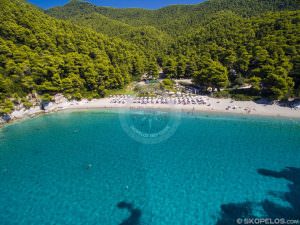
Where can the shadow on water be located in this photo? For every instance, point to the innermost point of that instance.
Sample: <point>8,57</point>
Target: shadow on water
<point>135,214</point>
<point>232,211</point>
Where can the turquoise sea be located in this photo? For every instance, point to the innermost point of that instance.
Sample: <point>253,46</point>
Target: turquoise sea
<point>148,168</point>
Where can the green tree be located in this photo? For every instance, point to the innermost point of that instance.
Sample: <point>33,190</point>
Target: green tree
<point>215,75</point>
<point>278,85</point>
<point>6,107</point>
<point>28,83</point>
<point>230,58</point>
<point>152,71</point>
<point>190,69</point>
<point>243,60</point>
<point>261,56</point>
<point>170,68</point>
<point>180,68</point>
<point>256,85</point>
<point>137,67</point>
<point>295,73</point>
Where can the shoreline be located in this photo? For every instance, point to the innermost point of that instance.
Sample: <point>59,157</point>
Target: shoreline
<point>214,106</point>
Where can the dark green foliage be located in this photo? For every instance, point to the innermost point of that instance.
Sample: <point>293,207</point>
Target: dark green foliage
<point>174,19</point>
<point>6,107</point>
<point>170,68</point>
<point>167,82</point>
<point>249,38</point>
<point>218,43</point>
<point>213,75</point>
<point>152,70</point>
<point>265,47</point>
<point>42,54</point>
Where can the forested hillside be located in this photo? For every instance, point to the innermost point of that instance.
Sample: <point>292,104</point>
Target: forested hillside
<point>44,55</point>
<point>218,43</point>
<point>177,18</point>
<point>232,50</point>
<point>86,50</point>
<point>147,38</point>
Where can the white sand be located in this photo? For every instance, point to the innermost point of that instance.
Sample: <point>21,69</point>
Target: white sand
<point>213,105</point>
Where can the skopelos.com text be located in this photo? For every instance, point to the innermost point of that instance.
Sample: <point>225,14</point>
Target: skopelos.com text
<point>269,221</point>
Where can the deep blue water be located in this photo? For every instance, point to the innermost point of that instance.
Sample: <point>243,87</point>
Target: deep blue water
<point>86,168</point>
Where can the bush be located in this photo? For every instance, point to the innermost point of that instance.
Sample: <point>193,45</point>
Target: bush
<point>46,98</point>
<point>239,81</point>
<point>6,107</point>
<point>77,96</point>
<point>167,82</point>
<point>221,94</point>
<point>240,97</point>
<point>101,91</point>
<point>27,104</point>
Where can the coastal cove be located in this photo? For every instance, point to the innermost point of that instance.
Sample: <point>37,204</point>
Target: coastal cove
<point>78,163</point>
<point>183,115</point>
<point>213,106</point>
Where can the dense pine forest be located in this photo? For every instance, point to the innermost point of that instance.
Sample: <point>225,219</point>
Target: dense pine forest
<point>39,54</point>
<point>82,50</point>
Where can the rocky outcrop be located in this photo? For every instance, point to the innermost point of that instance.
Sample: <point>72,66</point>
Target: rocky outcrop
<point>2,121</point>
<point>38,107</point>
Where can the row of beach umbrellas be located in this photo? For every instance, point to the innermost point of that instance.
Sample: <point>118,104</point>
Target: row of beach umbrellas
<point>186,100</point>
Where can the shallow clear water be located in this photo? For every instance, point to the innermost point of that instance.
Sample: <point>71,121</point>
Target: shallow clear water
<point>78,168</point>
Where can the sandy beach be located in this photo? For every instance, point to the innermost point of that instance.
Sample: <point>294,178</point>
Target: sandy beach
<point>212,105</point>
